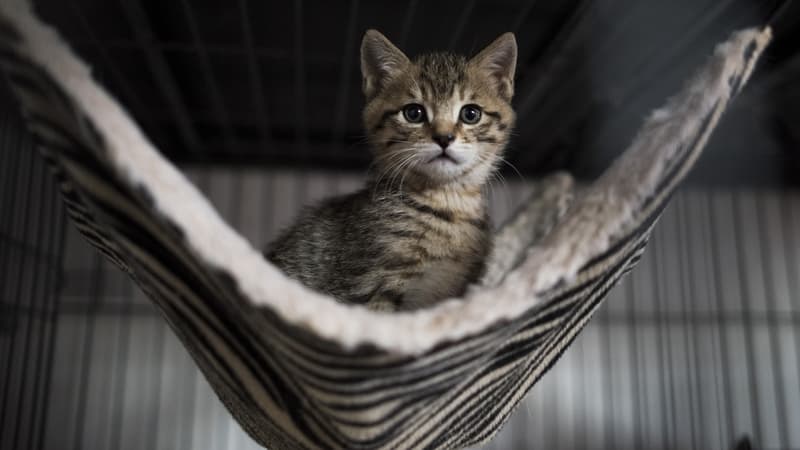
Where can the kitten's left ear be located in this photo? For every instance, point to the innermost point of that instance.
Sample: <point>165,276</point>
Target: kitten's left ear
<point>380,62</point>
<point>498,61</point>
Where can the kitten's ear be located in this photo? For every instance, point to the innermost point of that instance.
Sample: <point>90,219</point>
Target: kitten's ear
<point>498,61</point>
<point>380,61</point>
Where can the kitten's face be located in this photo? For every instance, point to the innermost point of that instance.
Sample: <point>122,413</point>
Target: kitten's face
<point>439,119</point>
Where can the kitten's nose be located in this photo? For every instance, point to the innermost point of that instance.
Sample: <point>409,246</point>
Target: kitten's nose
<point>444,139</point>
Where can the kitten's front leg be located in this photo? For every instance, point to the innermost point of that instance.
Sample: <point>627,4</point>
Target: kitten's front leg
<point>379,291</point>
<point>384,302</point>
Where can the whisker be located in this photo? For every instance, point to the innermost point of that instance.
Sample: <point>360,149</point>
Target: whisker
<point>506,162</point>
<point>388,166</point>
<point>401,167</point>
<point>387,163</point>
<point>402,180</point>
<point>497,176</point>
<point>393,164</point>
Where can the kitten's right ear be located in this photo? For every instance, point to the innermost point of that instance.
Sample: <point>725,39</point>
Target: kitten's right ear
<point>380,62</point>
<point>498,61</point>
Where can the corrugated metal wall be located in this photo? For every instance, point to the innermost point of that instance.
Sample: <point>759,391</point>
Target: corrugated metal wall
<point>698,347</point>
<point>32,224</point>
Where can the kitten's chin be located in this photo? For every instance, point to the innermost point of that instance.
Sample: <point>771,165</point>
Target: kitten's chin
<point>449,166</point>
<point>440,169</point>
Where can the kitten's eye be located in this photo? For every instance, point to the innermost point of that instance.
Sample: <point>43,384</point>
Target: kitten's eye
<point>414,113</point>
<point>470,114</point>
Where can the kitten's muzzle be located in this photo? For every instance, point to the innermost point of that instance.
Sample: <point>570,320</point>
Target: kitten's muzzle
<point>444,156</point>
<point>449,154</point>
<point>444,139</point>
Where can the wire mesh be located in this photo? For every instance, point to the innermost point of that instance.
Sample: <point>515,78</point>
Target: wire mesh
<point>698,347</point>
<point>31,238</point>
<point>279,82</point>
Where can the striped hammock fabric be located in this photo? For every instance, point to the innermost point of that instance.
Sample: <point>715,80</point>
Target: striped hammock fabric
<point>294,367</point>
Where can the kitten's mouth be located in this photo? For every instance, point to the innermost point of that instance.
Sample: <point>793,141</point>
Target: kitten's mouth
<point>443,164</point>
<point>443,156</point>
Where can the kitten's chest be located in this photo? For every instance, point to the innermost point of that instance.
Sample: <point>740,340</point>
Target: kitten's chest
<point>449,255</point>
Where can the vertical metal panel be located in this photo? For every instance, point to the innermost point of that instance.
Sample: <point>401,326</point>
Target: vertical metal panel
<point>692,350</point>
<point>31,238</point>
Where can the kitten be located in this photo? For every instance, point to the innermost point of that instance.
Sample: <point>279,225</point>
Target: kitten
<point>418,232</point>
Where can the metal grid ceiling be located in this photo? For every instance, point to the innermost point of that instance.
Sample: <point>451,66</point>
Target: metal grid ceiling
<point>277,83</point>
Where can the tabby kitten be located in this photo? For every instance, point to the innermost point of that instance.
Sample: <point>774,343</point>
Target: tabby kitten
<point>418,232</point>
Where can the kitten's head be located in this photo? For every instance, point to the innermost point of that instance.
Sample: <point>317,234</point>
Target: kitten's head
<point>440,118</point>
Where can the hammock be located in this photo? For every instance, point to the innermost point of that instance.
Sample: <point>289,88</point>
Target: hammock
<point>298,369</point>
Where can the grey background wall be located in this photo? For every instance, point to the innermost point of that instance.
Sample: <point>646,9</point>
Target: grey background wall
<point>700,345</point>
<point>32,225</point>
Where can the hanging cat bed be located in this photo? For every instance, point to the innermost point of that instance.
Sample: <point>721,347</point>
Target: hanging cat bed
<point>298,369</point>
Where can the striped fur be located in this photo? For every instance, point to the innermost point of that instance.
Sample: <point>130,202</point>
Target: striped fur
<point>418,233</point>
<point>288,386</point>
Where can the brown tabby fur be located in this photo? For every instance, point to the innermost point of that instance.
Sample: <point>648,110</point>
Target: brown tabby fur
<point>418,232</point>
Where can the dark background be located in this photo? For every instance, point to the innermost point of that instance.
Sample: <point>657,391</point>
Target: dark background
<point>278,83</point>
